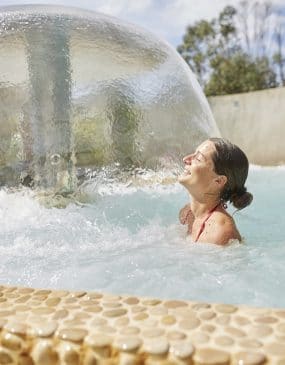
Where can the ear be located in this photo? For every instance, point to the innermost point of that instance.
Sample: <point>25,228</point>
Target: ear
<point>221,180</point>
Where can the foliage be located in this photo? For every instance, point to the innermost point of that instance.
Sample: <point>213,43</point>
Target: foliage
<point>227,58</point>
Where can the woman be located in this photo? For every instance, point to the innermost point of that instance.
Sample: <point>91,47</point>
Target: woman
<point>214,174</point>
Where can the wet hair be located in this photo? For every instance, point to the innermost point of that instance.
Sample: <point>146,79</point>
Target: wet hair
<point>231,161</point>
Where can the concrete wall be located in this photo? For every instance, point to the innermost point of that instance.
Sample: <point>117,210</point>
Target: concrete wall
<point>254,121</point>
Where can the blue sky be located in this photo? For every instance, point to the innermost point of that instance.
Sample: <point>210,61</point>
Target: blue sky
<point>166,18</point>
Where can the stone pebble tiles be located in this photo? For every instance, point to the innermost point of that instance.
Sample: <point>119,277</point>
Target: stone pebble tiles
<point>52,327</point>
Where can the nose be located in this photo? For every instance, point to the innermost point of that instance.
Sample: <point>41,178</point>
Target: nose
<point>188,159</point>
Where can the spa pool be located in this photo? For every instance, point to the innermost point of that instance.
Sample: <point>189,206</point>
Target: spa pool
<point>127,239</point>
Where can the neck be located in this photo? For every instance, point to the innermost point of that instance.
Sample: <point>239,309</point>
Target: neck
<point>200,207</point>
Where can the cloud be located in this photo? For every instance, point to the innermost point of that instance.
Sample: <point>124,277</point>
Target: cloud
<point>168,19</point>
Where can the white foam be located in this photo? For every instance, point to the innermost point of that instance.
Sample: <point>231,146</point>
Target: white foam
<point>132,243</point>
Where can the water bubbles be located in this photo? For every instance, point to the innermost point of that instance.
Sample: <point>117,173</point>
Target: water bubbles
<point>55,159</point>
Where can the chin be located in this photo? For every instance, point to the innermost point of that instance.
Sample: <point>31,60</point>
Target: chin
<point>182,179</point>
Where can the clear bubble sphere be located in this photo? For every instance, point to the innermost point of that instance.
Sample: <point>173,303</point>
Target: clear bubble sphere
<point>82,89</point>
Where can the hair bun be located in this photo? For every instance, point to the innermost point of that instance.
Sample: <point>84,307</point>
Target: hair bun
<point>241,198</point>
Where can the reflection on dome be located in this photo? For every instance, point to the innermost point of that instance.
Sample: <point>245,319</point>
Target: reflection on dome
<point>81,89</point>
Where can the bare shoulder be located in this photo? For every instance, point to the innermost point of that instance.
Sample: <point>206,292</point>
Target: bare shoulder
<point>223,229</point>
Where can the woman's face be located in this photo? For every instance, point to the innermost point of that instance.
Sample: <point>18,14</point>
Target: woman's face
<point>199,171</point>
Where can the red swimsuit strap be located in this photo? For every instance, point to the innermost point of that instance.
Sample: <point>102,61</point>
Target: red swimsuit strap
<point>205,220</point>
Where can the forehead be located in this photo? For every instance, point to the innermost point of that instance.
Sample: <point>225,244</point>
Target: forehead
<point>207,148</point>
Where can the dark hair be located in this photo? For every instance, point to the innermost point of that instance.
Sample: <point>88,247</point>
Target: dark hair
<point>231,161</point>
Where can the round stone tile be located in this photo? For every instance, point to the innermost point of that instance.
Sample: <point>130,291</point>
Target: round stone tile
<point>280,314</point>
<point>44,329</point>
<point>176,336</point>
<point>52,302</point>
<point>72,334</point>
<point>281,361</point>
<point>59,293</point>
<point>158,311</point>
<point>5,358</point>
<point>111,305</point>
<point>23,299</point>
<point>74,323</point>
<point>189,323</point>
<point>235,332</point>
<point>140,317</point>
<point>151,302</point>
<point>208,328</point>
<point>249,358</point>
<point>99,322</point>
<point>154,332</point>
<point>78,294</point>
<point>89,302</point>
<point>11,342</point>
<point>182,349</point>
<point>82,315</point>
<point>281,328</point>
<point>21,308</point>
<point>44,353</point>
<point>41,292</point>
<point>16,328</point>
<point>107,329</point>
<point>207,315</point>
<point>138,309</point>
<point>149,323</point>
<point>157,346</point>
<point>128,343</point>
<point>275,348</point>
<point>209,356</point>
<point>42,310</point>
<point>62,313</point>
<point>122,321</point>
<point>199,338</point>
<point>130,331</point>
<point>98,340</point>
<point>225,308</point>
<point>25,290</point>
<point>93,309</point>
<point>241,321</point>
<point>224,341</point>
<point>259,331</point>
<point>171,304</point>
<point>70,300</point>
<point>111,298</point>
<point>6,313</point>
<point>201,306</point>
<point>266,320</point>
<point>131,301</point>
<point>223,320</point>
<point>168,320</point>
<point>250,343</point>
<point>94,295</point>
<point>2,322</point>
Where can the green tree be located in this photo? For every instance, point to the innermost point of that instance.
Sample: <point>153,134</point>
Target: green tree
<point>196,44</point>
<point>218,51</point>
<point>238,74</point>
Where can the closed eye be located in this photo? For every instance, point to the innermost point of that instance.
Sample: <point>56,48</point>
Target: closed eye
<point>198,156</point>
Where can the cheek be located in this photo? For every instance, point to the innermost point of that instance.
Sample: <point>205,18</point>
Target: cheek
<point>203,174</point>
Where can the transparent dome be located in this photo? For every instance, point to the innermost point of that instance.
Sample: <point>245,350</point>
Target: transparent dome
<point>82,90</point>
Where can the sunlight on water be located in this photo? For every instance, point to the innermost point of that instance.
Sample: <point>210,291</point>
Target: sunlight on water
<point>128,240</point>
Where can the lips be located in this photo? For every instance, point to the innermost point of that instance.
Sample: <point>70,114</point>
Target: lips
<point>187,172</point>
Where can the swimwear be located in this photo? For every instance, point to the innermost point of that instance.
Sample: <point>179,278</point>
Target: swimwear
<point>204,223</point>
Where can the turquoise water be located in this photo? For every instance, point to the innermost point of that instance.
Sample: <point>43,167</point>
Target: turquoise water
<point>128,240</point>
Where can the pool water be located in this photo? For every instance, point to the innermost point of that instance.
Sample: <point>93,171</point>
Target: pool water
<point>127,240</point>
